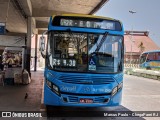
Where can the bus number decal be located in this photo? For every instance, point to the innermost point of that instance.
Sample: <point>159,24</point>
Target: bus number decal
<point>64,62</point>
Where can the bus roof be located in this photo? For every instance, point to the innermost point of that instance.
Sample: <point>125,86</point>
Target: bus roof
<point>151,51</point>
<point>87,16</point>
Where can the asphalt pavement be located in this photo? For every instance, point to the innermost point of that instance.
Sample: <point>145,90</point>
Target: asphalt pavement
<point>139,94</point>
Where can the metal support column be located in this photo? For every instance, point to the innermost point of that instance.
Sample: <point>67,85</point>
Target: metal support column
<point>35,62</point>
<point>24,54</point>
<point>28,50</point>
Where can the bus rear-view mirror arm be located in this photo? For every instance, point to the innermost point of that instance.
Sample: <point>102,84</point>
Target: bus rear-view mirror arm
<point>42,45</point>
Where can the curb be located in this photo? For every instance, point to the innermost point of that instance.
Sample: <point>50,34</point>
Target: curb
<point>143,73</point>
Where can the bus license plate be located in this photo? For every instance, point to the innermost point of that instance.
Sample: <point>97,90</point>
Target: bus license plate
<point>84,100</point>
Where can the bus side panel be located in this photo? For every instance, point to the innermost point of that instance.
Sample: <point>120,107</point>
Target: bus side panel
<point>117,99</point>
<point>50,98</point>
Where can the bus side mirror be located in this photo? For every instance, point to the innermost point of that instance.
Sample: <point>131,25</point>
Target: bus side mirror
<point>42,43</point>
<point>42,46</point>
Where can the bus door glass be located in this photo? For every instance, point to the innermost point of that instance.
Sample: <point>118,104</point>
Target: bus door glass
<point>143,58</point>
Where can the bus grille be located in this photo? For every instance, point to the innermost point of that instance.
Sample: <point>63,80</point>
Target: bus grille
<point>99,99</point>
<point>77,79</point>
<point>73,99</point>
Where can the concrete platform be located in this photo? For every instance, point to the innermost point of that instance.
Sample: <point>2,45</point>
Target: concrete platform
<point>12,97</point>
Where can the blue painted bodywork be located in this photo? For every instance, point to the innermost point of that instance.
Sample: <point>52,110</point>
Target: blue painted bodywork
<point>74,92</point>
<point>102,91</point>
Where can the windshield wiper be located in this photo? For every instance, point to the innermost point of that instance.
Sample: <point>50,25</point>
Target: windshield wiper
<point>101,41</point>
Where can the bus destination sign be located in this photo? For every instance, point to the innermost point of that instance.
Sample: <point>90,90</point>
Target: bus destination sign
<point>105,24</point>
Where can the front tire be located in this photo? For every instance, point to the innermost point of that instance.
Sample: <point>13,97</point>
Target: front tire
<point>50,110</point>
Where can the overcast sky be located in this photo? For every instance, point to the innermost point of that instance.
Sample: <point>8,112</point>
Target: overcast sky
<point>147,16</point>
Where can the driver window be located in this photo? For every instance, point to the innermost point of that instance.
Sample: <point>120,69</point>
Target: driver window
<point>143,58</point>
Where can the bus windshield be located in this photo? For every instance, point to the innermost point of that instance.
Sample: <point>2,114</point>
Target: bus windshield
<point>85,52</point>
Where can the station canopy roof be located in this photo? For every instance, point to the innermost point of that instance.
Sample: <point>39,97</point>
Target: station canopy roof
<point>15,12</point>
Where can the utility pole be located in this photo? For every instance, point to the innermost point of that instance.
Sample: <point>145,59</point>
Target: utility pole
<point>132,12</point>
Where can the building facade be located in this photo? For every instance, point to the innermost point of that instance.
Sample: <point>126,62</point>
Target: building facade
<point>137,42</point>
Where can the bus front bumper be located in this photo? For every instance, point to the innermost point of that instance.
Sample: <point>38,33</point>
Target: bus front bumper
<point>50,98</point>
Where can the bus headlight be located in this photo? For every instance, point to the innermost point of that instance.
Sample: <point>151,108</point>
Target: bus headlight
<point>49,84</point>
<point>53,87</point>
<point>114,91</point>
<point>117,88</point>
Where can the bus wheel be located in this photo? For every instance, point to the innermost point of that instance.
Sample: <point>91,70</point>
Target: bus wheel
<point>53,111</point>
<point>50,110</point>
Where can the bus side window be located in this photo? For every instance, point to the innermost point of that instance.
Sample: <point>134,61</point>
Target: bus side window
<point>157,57</point>
<point>150,57</point>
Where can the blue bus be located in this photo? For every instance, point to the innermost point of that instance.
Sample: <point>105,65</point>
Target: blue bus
<point>150,59</point>
<point>84,61</point>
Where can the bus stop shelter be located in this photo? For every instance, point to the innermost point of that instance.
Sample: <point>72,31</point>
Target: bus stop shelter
<point>25,18</point>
